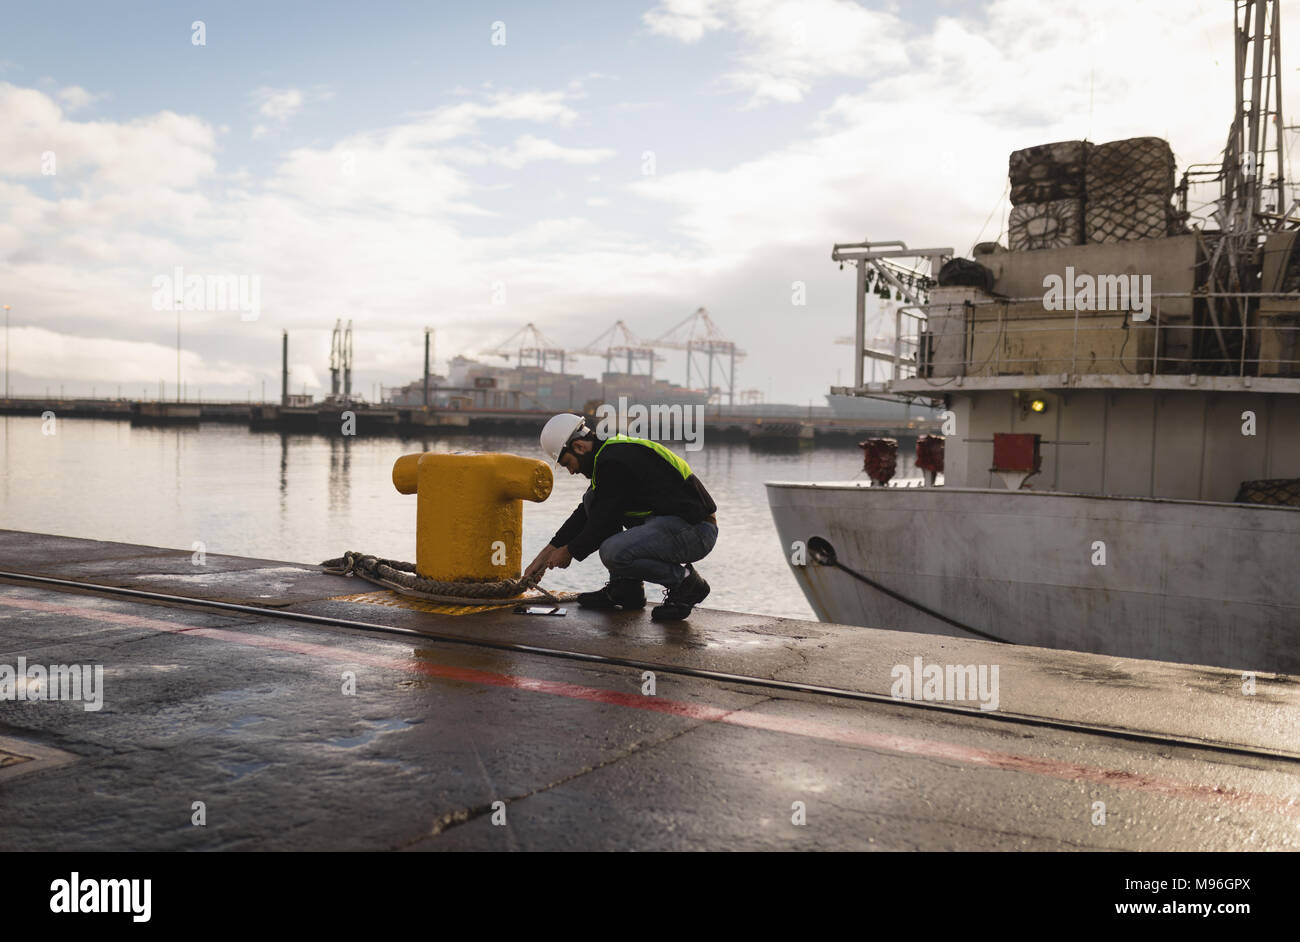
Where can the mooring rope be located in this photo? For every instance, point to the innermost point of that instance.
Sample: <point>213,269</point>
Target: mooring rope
<point>401,577</point>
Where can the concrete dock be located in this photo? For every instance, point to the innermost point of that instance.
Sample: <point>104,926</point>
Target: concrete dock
<point>234,730</point>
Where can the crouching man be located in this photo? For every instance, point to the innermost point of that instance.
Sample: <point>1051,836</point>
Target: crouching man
<point>645,511</point>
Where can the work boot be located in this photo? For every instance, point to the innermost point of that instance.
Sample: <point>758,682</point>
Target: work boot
<point>618,593</point>
<point>679,601</point>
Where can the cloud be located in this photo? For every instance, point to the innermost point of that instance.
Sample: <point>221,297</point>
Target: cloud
<point>789,45</point>
<point>685,20</point>
<point>278,104</point>
<point>922,154</point>
<point>303,376</point>
<point>38,352</point>
<point>162,150</point>
<point>415,166</point>
<point>74,97</point>
<point>362,227</point>
<point>527,149</point>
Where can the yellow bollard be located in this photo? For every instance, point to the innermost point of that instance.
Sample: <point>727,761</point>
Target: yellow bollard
<point>469,515</point>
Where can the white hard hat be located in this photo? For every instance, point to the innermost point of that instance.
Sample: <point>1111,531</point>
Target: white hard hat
<point>559,431</point>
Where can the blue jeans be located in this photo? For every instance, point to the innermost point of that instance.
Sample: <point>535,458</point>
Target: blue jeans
<point>656,550</point>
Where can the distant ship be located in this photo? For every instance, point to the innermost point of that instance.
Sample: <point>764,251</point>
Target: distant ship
<point>886,411</point>
<point>1122,395</point>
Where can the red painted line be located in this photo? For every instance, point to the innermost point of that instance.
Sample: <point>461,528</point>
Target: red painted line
<point>882,742</point>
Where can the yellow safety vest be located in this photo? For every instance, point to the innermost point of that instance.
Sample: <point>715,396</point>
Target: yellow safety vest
<point>671,457</point>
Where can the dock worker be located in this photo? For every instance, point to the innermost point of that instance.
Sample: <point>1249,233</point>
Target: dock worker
<point>645,511</point>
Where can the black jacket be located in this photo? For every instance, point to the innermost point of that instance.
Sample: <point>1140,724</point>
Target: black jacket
<point>630,477</point>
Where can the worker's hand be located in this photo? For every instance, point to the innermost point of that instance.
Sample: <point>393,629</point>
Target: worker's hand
<point>547,559</point>
<point>561,558</point>
<point>538,565</point>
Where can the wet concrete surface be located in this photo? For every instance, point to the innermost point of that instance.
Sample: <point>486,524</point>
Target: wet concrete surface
<point>452,747</point>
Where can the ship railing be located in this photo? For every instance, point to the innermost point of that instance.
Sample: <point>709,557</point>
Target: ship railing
<point>991,338</point>
<point>909,331</point>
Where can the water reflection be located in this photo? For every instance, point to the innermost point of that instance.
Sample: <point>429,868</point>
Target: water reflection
<point>340,472</point>
<point>284,474</point>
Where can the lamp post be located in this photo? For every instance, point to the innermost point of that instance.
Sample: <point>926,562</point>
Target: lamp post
<point>6,352</point>
<point>178,351</point>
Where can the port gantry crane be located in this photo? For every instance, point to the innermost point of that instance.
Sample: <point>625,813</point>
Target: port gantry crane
<point>618,342</point>
<point>697,334</point>
<point>528,341</point>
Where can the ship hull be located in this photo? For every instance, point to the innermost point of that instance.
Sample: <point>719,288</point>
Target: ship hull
<point>1189,581</point>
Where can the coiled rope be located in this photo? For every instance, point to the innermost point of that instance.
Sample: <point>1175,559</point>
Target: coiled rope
<point>402,578</point>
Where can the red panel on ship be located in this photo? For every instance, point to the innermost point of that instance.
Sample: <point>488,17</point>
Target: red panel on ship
<point>1015,451</point>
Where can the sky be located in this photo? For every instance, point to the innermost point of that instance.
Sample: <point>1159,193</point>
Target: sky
<point>473,168</point>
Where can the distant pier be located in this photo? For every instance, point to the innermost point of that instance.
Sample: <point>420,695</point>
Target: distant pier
<point>776,431</point>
